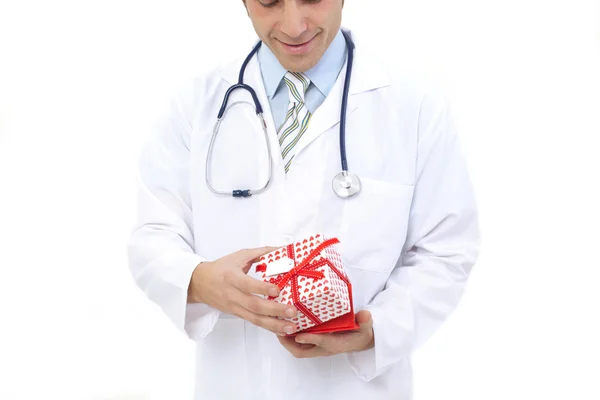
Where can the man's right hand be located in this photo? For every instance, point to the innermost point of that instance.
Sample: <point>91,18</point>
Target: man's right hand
<point>224,284</point>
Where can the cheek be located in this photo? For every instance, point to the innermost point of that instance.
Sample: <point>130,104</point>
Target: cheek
<point>327,8</point>
<point>325,20</point>
<point>260,16</point>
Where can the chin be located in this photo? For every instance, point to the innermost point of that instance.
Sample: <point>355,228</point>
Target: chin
<point>302,66</point>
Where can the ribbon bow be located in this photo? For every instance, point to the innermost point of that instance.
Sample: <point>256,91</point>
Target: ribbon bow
<point>306,268</point>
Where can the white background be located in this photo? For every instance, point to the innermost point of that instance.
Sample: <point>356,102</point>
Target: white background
<point>80,82</point>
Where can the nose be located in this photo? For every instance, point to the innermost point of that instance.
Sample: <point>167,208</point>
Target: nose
<point>293,23</point>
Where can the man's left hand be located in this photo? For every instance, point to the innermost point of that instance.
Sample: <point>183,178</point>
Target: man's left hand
<point>307,345</point>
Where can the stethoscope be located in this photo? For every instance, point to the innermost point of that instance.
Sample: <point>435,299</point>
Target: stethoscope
<point>345,184</point>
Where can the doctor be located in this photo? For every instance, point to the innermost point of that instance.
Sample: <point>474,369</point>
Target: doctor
<point>405,212</point>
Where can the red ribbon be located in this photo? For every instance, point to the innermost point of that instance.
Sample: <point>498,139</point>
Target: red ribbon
<point>307,269</point>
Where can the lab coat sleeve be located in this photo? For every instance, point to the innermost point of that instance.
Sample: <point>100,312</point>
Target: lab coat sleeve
<point>161,248</point>
<point>440,250</point>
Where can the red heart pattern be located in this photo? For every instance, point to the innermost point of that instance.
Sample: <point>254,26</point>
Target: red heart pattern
<point>326,298</point>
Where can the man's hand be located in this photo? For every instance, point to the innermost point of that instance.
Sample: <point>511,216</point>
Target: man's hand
<point>306,345</point>
<point>224,284</point>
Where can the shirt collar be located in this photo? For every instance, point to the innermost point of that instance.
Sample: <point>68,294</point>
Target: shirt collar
<point>323,75</point>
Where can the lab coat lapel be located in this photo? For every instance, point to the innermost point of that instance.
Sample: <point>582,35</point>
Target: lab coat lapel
<point>366,76</point>
<point>327,115</point>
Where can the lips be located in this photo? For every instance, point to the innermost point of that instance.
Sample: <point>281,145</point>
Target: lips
<point>297,49</point>
<point>296,45</point>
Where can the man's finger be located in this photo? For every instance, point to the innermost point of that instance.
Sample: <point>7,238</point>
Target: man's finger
<point>302,350</point>
<point>251,285</point>
<point>333,343</point>
<point>269,323</point>
<point>260,306</point>
<point>253,255</point>
<point>270,308</point>
<point>250,256</point>
<point>364,318</point>
<point>321,340</point>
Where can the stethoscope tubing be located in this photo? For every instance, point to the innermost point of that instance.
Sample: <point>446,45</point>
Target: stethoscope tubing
<point>344,176</point>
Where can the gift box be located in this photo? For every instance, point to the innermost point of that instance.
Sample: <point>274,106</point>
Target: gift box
<point>311,277</point>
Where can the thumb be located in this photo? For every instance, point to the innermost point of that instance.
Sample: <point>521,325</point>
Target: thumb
<point>261,251</point>
<point>363,317</point>
<point>253,255</point>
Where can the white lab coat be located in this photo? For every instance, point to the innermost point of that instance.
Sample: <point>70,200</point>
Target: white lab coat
<point>408,240</point>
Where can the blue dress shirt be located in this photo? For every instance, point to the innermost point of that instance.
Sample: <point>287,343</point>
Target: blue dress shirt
<point>322,78</point>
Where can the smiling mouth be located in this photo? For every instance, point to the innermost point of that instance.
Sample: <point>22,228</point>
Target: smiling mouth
<point>298,49</point>
<point>297,45</point>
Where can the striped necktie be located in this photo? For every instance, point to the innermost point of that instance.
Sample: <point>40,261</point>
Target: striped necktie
<point>297,118</point>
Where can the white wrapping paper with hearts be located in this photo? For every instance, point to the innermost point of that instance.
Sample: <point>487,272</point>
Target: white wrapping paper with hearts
<point>314,280</point>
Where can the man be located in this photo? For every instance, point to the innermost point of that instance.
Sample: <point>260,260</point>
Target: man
<point>409,239</point>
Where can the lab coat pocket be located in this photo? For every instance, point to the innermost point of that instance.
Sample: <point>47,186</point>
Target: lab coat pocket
<point>374,225</point>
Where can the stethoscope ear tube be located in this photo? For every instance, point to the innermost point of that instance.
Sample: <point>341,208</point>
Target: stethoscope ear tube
<point>241,85</point>
<point>343,158</point>
<point>257,105</point>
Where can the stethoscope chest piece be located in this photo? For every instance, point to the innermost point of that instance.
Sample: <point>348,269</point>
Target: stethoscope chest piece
<point>346,184</point>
